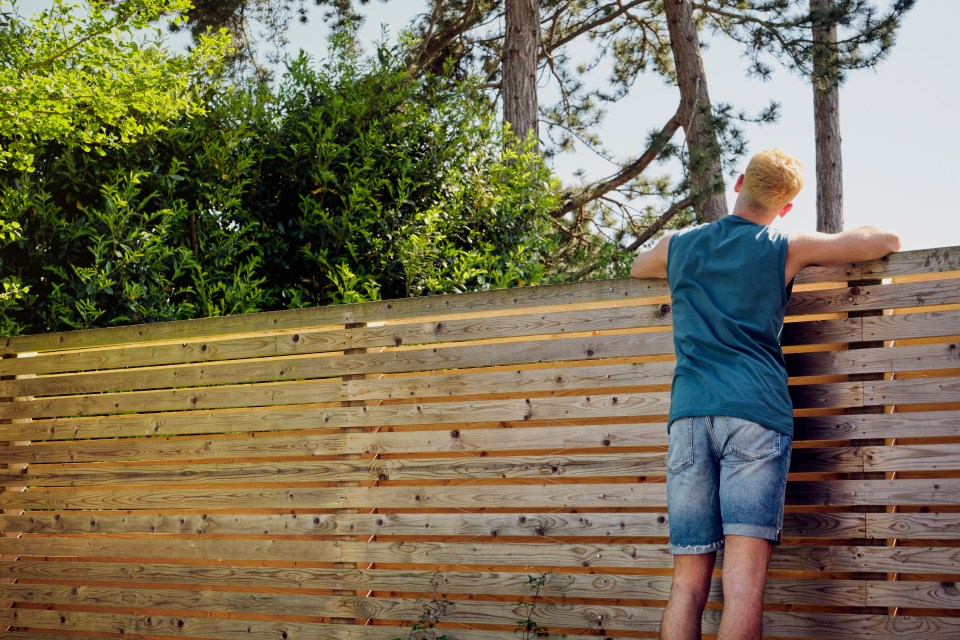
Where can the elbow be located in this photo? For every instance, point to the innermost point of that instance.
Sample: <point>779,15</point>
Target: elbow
<point>893,243</point>
<point>883,242</point>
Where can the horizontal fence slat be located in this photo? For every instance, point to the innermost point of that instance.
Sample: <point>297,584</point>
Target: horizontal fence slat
<point>557,495</point>
<point>788,624</point>
<point>912,325</point>
<point>205,628</point>
<point>916,526</point>
<point>819,558</point>
<point>922,424</point>
<point>277,419</point>
<point>603,586</point>
<point>930,457</point>
<point>875,297</point>
<point>610,291</point>
<point>878,360</point>
<point>338,340</point>
<point>465,384</point>
<point>553,466</point>
<point>315,367</point>
<point>406,525</point>
<point>912,391</point>
<point>902,263</point>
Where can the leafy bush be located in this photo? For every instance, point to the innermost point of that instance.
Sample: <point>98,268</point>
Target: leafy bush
<point>350,181</point>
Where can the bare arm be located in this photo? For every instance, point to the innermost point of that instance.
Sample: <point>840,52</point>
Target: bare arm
<point>835,249</point>
<point>652,262</point>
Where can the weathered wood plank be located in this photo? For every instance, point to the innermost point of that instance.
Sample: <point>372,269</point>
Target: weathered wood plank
<point>339,339</point>
<point>826,626</point>
<point>187,600</point>
<point>870,559</point>
<point>206,628</point>
<point>222,397</point>
<point>828,460</point>
<point>917,391</point>
<point>836,395</point>
<point>531,524</point>
<point>922,424</point>
<point>916,560</point>
<point>160,448</point>
<point>862,627</point>
<point>277,419</point>
<point>912,325</point>
<point>464,384</point>
<point>527,496</point>
<point>940,260</point>
<point>878,360</point>
<point>874,328</point>
<point>612,292</point>
<point>931,457</point>
<point>468,384</point>
<point>928,595</point>
<point>159,548</point>
<point>556,495</point>
<point>325,366</point>
<point>922,526</point>
<point>822,331</point>
<point>875,297</point>
<point>877,492</point>
<point>555,438</point>
<point>603,586</point>
<point>463,468</point>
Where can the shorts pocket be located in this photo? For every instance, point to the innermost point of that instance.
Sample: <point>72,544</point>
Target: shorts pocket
<point>680,451</point>
<point>751,441</point>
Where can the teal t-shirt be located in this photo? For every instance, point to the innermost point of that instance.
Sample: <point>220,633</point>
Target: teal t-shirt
<point>729,298</point>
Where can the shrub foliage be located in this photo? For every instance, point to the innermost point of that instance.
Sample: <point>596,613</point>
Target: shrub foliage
<point>351,180</point>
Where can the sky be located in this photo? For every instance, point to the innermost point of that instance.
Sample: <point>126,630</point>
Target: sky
<point>898,123</point>
<point>900,133</point>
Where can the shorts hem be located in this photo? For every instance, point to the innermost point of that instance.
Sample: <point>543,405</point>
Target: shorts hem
<point>692,549</point>
<point>752,531</point>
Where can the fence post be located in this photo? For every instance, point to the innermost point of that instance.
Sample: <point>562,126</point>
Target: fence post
<point>5,421</point>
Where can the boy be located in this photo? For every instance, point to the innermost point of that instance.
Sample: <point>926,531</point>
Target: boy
<point>731,419</point>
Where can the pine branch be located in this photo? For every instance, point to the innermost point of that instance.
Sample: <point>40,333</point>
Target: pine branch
<point>593,25</point>
<point>632,170</point>
<point>661,222</point>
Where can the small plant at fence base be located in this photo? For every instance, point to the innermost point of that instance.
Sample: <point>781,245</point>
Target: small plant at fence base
<point>431,611</point>
<point>528,628</point>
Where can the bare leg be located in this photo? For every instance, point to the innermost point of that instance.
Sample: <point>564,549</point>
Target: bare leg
<point>688,596</point>
<point>745,562</point>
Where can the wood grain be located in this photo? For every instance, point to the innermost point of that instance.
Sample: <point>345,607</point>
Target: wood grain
<point>338,339</point>
<point>611,292</point>
<point>587,349</point>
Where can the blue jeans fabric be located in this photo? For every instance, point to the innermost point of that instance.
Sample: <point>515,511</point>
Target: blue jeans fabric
<point>725,476</point>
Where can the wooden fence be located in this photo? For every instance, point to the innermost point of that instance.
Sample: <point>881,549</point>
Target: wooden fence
<point>340,472</point>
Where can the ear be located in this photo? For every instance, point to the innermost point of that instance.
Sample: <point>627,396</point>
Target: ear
<point>786,209</point>
<point>738,185</point>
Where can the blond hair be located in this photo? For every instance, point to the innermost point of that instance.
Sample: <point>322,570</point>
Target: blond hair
<point>772,180</point>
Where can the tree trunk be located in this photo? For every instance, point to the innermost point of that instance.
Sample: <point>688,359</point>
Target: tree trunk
<point>520,55</point>
<point>706,173</point>
<point>826,118</point>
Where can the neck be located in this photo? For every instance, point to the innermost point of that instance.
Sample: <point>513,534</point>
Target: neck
<point>741,209</point>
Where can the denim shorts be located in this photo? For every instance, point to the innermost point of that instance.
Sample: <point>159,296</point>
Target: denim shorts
<point>725,476</point>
